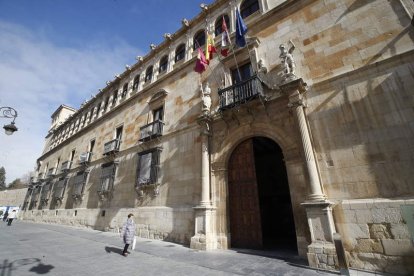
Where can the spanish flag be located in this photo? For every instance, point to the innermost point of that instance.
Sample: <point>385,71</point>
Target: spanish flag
<point>210,49</point>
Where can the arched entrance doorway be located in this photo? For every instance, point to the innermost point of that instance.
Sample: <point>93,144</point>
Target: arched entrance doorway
<point>259,199</point>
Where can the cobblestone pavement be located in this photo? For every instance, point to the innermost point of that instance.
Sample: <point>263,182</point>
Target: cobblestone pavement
<point>30,249</point>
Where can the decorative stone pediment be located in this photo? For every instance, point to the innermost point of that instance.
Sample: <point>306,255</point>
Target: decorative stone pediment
<point>158,98</point>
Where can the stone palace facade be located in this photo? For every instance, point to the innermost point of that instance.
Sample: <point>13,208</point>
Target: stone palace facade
<point>304,134</point>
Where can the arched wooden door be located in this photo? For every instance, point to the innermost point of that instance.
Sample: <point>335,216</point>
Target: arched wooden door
<point>245,224</point>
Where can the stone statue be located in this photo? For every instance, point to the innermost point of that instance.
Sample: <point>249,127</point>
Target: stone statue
<point>286,58</point>
<point>206,99</point>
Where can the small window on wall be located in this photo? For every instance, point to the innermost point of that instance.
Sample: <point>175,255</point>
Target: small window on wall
<point>124,90</point>
<point>135,83</point>
<point>199,39</point>
<point>148,167</point>
<point>158,114</point>
<point>148,74</point>
<point>218,27</point>
<point>115,97</point>
<point>180,52</point>
<point>242,73</point>
<point>249,7</point>
<point>163,64</point>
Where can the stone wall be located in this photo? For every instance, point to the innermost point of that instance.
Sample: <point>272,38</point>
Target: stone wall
<point>12,197</point>
<point>375,235</point>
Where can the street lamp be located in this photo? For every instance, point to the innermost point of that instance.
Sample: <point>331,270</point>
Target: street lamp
<point>9,112</point>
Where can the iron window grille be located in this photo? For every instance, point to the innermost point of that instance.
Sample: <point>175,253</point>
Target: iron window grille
<point>151,130</point>
<point>35,196</point>
<point>45,194</point>
<point>59,189</point>
<point>107,180</point>
<point>79,182</point>
<point>240,93</point>
<point>148,167</point>
<point>112,146</point>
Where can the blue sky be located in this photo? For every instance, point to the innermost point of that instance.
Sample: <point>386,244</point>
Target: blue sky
<point>56,52</point>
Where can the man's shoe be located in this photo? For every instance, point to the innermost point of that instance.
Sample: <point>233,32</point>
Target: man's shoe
<point>125,254</point>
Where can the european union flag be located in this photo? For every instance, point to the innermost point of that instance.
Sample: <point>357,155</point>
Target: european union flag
<point>241,30</point>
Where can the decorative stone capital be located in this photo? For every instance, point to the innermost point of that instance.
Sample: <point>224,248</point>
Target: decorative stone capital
<point>294,90</point>
<point>204,121</point>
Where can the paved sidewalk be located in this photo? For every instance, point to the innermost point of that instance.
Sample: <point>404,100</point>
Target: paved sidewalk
<point>30,249</point>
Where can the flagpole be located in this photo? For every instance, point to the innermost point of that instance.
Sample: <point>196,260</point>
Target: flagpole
<point>211,72</point>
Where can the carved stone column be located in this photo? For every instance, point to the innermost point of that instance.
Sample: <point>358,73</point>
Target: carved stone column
<point>205,236</point>
<point>321,252</point>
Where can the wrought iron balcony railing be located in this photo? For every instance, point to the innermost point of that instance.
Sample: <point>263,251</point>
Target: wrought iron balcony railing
<point>66,166</point>
<point>51,172</point>
<point>111,147</point>
<point>151,130</point>
<point>85,157</point>
<point>240,93</point>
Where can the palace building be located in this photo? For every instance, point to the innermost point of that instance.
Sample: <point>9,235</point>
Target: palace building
<point>301,139</point>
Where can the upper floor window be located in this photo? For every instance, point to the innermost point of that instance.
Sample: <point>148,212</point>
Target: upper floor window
<point>135,83</point>
<point>115,97</point>
<point>180,52</point>
<point>163,64</point>
<point>106,104</point>
<point>124,90</point>
<point>248,7</point>
<point>199,39</point>
<point>148,74</point>
<point>242,73</point>
<point>218,27</point>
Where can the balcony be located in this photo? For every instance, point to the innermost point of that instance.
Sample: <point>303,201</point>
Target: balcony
<point>66,166</point>
<point>240,93</point>
<point>151,130</point>
<point>111,147</point>
<point>51,172</point>
<point>85,157</point>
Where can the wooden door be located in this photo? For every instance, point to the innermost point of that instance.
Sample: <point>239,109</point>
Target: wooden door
<point>245,224</point>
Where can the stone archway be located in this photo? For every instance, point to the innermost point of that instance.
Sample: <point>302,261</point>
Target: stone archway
<point>260,210</point>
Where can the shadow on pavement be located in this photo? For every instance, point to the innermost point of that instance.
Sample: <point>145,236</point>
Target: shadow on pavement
<point>110,249</point>
<point>6,268</point>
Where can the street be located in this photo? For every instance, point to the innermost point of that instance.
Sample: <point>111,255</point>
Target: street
<point>30,249</point>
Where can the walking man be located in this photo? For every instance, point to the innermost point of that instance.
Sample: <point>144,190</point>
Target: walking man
<point>11,217</point>
<point>128,233</point>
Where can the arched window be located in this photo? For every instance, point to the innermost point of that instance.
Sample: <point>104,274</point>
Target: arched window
<point>124,90</point>
<point>135,83</point>
<point>248,7</point>
<point>163,64</point>
<point>115,97</point>
<point>219,23</point>
<point>180,52</point>
<point>148,74</point>
<point>199,39</point>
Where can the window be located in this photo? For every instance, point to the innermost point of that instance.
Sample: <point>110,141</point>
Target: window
<point>91,145</point>
<point>98,108</point>
<point>163,64</point>
<point>107,179</point>
<point>199,39</point>
<point>135,83</point>
<point>124,90</point>
<point>115,97</point>
<point>59,189</point>
<point>180,52</point>
<point>242,73</point>
<point>219,24</point>
<point>158,114</point>
<point>44,197</point>
<point>106,103</point>
<point>118,134</point>
<point>90,115</point>
<point>148,74</point>
<point>79,182</point>
<point>148,167</point>
<point>248,7</point>
<point>72,155</point>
